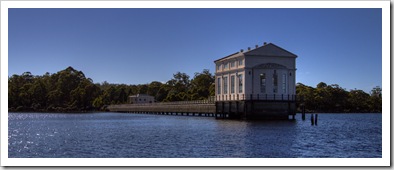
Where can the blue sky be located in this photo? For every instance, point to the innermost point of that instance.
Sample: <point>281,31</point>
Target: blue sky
<point>138,46</point>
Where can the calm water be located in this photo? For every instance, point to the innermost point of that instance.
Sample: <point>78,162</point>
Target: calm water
<point>121,135</point>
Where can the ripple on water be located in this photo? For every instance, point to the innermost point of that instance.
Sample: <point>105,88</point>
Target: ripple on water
<point>136,135</point>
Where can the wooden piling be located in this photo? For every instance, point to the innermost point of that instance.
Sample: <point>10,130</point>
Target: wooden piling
<point>316,119</point>
<point>312,121</point>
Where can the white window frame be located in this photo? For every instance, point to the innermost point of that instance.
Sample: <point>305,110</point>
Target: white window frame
<point>225,85</point>
<point>232,84</point>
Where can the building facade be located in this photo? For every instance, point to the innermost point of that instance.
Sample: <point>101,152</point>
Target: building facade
<point>265,71</point>
<point>266,74</point>
<point>141,98</point>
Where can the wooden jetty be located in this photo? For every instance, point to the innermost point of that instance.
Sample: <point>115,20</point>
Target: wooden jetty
<point>184,108</point>
<point>240,107</point>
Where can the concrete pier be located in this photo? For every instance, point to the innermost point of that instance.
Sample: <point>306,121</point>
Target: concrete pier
<point>257,107</point>
<point>253,107</point>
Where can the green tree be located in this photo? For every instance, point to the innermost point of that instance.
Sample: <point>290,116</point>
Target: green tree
<point>306,96</point>
<point>180,83</point>
<point>38,94</point>
<point>143,89</point>
<point>98,103</point>
<point>321,85</point>
<point>66,90</point>
<point>358,101</point>
<point>153,88</point>
<point>337,100</point>
<point>162,93</point>
<point>375,100</point>
<point>200,85</point>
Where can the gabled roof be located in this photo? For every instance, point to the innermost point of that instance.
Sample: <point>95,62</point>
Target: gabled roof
<point>270,50</point>
<point>265,50</point>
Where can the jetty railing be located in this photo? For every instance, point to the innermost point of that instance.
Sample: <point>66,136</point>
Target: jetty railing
<point>208,101</point>
<point>195,106</point>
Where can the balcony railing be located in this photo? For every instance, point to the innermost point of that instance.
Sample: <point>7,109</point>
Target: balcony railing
<point>279,97</point>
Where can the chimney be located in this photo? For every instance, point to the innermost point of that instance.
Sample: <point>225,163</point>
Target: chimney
<point>242,50</point>
<point>265,43</point>
<point>248,48</point>
<point>257,46</point>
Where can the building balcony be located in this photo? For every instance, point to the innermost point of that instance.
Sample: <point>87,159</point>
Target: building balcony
<point>257,97</point>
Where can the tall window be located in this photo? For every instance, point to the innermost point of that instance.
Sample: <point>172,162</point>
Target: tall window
<point>275,82</point>
<point>284,83</point>
<point>218,67</point>
<point>232,64</point>
<point>232,84</point>
<point>240,83</point>
<point>225,66</point>
<point>225,85</point>
<point>240,62</point>
<point>219,86</point>
<point>262,83</point>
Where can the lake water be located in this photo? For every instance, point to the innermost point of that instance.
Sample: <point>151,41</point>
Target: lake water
<point>125,135</point>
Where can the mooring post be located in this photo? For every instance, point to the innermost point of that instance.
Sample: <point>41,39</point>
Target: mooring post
<point>316,119</point>
<point>303,111</point>
<point>222,110</point>
<point>312,121</point>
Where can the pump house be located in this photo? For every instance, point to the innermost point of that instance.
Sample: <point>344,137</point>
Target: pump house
<point>256,83</point>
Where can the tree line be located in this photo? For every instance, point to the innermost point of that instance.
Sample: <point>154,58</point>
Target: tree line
<point>335,99</point>
<point>70,91</point>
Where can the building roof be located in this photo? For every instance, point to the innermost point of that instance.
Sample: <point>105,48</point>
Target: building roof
<point>265,50</point>
<point>270,50</point>
<point>141,95</point>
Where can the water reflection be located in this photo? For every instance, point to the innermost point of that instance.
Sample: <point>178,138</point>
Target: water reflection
<point>256,138</point>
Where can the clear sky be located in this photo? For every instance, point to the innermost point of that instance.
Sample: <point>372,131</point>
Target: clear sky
<point>138,46</point>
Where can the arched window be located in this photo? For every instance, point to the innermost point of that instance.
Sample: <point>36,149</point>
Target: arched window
<point>225,85</point>
<point>219,85</point>
<point>240,83</point>
<point>275,82</point>
<point>232,84</point>
<point>284,83</point>
<point>262,83</point>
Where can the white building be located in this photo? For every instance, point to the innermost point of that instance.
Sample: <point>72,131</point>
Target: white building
<point>266,72</point>
<point>141,98</point>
